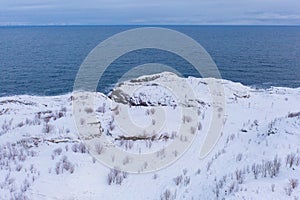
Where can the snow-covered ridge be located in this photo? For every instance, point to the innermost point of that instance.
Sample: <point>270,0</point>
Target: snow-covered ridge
<point>257,156</point>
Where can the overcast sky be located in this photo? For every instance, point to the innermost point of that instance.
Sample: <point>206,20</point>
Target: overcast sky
<point>59,12</point>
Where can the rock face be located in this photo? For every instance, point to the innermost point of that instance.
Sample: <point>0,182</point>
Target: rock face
<point>157,90</point>
<point>256,157</point>
<point>146,91</point>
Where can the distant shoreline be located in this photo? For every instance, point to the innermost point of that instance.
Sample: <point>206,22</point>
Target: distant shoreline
<point>253,88</point>
<point>151,25</point>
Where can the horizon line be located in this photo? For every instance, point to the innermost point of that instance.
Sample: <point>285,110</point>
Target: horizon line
<point>61,25</point>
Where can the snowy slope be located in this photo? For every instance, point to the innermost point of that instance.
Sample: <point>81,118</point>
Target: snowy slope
<point>257,156</point>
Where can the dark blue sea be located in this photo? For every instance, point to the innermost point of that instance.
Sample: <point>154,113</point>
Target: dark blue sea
<point>45,60</point>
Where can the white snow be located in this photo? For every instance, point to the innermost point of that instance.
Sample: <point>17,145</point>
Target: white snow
<point>42,157</point>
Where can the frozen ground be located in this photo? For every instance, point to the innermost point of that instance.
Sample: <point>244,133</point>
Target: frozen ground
<point>257,156</point>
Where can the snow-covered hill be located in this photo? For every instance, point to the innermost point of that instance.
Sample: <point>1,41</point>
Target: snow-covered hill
<point>256,157</point>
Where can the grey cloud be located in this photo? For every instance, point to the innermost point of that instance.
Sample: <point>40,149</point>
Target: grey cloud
<point>149,12</point>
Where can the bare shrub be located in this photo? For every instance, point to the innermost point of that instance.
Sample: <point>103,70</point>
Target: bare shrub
<point>209,165</point>
<point>271,127</point>
<point>117,112</point>
<point>116,176</point>
<point>273,187</point>
<point>198,112</point>
<point>239,157</point>
<point>64,165</point>
<point>288,190</point>
<point>72,169</point>
<point>126,160</point>
<point>161,153</point>
<point>168,195</point>
<point>48,128</point>
<point>6,126</point>
<point>21,156</point>
<point>82,148</point>
<point>111,125</point>
<point>101,109</point>
<point>82,121</point>
<point>216,191</point>
<point>128,144</point>
<point>99,148</point>
<point>177,180</point>
<point>186,181</point>
<point>153,122</point>
<point>24,187</point>
<point>152,111</point>
<point>57,168</point>
<point>88,110</point>
<point>21,124</point>
<point>273,167</point>
<point>173,135</point>
<point>240,176</point>
<point>270,168</point>
<point>67,147</point>
<point>294,183</point>
<point>186,119</point>
<point>232,187</point>
<point>199,126</point>
<point>79,148</point>
<point>57,151</point>
<point>184,171</point>
<point>75,148</point>
<point>256,170</point>
<point>292,159</point>
<point>63,109</point>
<point>147,112</point>
<point>193,130</point>
<point>18,167</point>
